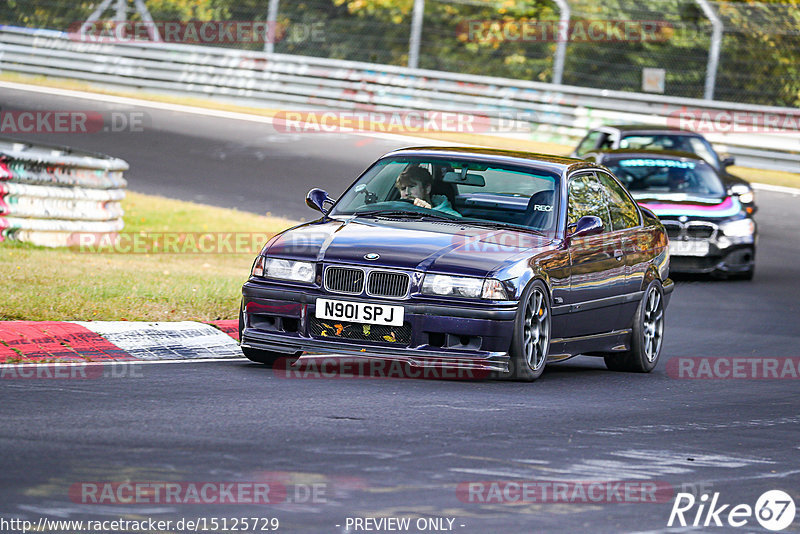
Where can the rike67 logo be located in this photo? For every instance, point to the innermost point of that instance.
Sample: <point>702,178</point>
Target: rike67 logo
<point>774,510</point>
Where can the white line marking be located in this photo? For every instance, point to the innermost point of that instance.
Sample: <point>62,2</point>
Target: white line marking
<point>180,108</point>
<point>776,189</point>
<point>119,362</point>
<point>97,97</point>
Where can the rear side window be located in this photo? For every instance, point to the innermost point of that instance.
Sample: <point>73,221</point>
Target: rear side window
<point>621,208</point>
<point>590,142</point>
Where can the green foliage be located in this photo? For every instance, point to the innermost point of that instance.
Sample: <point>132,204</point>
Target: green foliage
<point>188,9</point>
<point>760,60</point>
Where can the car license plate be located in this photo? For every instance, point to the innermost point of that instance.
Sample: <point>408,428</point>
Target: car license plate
<point>688,248</point>
<point>360,312</point>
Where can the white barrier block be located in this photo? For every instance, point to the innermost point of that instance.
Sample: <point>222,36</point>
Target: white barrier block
<point>166,341</point>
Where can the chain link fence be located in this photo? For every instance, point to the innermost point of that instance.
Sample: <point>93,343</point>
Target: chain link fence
<point>662,46</point>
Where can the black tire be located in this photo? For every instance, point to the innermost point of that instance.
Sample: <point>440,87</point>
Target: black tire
<point>646,337</point>
<point>531,341</point>
<point>745,275</point>
<point>270,358</point>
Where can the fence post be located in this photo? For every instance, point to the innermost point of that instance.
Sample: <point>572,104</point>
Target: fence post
<point>416,34</point>
<point>713,52</point>
<point>564,15</point>
<point>121,15</point>
<point>272,27</point>
<point>145,14</point>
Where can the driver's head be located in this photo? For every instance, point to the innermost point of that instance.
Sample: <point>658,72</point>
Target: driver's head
<point>414,182</point>
<point>677,179</point>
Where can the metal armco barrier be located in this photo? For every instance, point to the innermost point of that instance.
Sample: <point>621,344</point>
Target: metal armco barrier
<point>49,195</point>
<point>547,112</point>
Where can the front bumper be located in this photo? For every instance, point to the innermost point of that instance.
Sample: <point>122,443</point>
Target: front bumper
<point>470,336</point>
<point>724,256</point>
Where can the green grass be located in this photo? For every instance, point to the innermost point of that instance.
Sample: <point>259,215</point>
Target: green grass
<point>47,284</point>
<point>762,176</point>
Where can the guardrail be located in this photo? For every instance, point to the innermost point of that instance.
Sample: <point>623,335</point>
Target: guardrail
<point>555,113</point>
<point>50,195</point>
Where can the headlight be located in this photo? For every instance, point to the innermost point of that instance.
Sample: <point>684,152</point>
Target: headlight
<point>462,286</point>
<point>740,228</point>
<point>297,271</point>
<point>744,192</point>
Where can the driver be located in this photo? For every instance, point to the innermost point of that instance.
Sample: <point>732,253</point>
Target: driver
<point>414,183</point>
<point>677,180</point>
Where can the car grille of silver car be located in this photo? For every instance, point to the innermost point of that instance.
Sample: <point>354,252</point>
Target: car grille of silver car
<point>350,280</point>
<point>700,230</point>
<point>673,228</point>
<point>690,230</point>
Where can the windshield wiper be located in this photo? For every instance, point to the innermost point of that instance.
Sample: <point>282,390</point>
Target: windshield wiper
<point>406,214</point>
<point>497,225</point>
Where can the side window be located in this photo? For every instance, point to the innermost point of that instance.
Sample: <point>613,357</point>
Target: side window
<point>606,142</point>
<point>589,142</point>
<point>704,150</point>
<point>587,197</point>
<point>621,208</point>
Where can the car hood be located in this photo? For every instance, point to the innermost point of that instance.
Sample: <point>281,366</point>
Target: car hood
<point>682,204</point>
<point>437,246</point>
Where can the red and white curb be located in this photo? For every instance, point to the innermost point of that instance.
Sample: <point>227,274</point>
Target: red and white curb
<point>108,341</point>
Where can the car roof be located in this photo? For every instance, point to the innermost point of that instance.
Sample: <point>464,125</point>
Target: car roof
<point>660,154</point>
<point>648,128</point>
<point>545,162</point>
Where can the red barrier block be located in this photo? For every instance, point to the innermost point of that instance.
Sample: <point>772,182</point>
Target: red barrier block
<point>58,341</point>
<point>230,327</point>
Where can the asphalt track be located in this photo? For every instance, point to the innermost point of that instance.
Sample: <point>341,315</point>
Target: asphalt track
<point>401,447</point>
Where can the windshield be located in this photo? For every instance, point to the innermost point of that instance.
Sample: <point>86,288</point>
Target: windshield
<point>460,191</point>
<point>667,176</point>
<point>681,143</point>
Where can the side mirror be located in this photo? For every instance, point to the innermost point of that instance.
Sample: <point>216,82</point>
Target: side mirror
<point>727,162</point>
<point>586,226</point>
<point>316,199</point>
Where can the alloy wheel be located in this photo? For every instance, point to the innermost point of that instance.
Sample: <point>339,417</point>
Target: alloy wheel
<point>536,329</point>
